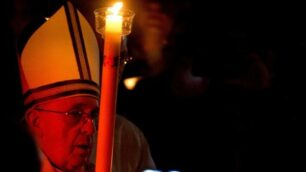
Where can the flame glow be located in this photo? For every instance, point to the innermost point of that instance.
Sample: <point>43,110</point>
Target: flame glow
<point>115,8</point>
<point>130,83</point>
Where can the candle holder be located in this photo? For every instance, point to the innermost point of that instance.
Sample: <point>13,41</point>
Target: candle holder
<point>127,17</point>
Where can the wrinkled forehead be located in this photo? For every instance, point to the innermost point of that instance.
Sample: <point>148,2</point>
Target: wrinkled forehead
<point>71,102</point>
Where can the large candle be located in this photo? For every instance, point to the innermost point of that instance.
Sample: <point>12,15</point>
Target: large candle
<point>106,123</point>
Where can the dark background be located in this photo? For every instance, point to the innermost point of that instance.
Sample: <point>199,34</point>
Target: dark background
<point>222,130</point>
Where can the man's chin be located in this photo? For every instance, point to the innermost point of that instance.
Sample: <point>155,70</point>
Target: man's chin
<point>77,162</point>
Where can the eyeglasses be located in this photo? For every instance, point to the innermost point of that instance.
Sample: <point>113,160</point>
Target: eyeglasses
<point>75,116</point>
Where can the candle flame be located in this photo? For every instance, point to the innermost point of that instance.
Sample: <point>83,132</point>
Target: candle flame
<point>115,8</point>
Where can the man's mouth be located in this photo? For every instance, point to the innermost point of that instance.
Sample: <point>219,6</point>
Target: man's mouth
<point>84,149</point>
<point>83,146</point>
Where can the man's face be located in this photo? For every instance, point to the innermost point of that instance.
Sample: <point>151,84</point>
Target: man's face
<point>66,139</point>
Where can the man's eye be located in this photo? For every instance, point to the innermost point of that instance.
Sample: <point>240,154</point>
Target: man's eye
<point>94,114</point>
<point>75,113</point>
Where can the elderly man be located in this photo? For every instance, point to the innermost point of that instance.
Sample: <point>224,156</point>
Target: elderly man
<point>60,76</point>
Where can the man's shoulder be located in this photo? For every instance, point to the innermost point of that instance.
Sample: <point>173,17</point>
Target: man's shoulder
<point>128,131</point>
<point>122,123</point>
<point>121,120</point>
<point>130,140</point>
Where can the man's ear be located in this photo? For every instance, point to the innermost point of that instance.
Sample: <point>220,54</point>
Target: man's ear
<point>33,121</point>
